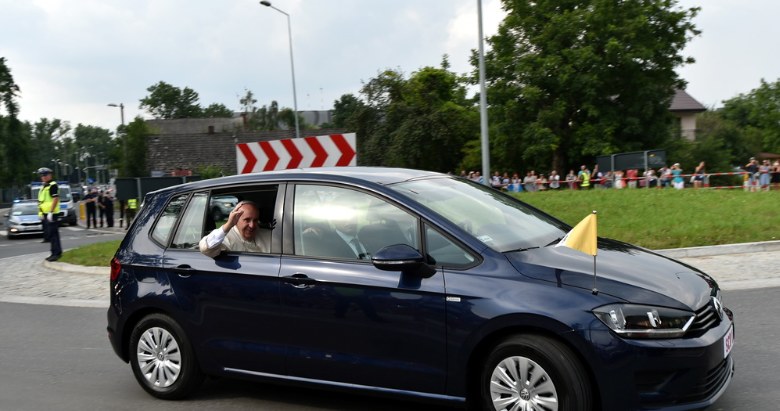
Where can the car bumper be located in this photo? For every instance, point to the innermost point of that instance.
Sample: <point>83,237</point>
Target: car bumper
<point>114,336</point>
<point>16,230</point>
<point>69,215</point>
<point>678,374</point>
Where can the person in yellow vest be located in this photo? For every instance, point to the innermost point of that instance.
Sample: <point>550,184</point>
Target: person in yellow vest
<point>584,177</point>
<point>132,207</point>
<point>48,211</point>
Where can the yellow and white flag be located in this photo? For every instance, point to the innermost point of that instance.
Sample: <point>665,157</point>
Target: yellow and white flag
<point>582,237</point>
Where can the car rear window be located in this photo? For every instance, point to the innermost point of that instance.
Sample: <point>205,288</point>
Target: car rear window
<point>162,230</point>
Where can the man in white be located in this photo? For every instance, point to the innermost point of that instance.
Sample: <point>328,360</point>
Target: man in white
<point>239,233</point>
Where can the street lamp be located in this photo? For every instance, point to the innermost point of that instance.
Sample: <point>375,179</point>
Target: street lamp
<point>483,102</point>
<point>124,135</point>
<point>121,111</point>
<point>292,65</point>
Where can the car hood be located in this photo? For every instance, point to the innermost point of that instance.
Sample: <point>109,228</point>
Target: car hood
<point>627,272</point>
<point>26,218</point>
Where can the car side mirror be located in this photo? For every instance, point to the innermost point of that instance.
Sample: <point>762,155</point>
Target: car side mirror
<point>403,258</point>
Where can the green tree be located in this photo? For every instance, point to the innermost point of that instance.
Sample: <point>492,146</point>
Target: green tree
<point>345,110</point>
<point>437,122</point>
<point>9,90</point>
<point>137,134</point>
<point>757,113</point>
<point>569,80</point>
<point>46,134</point>
<point>96,151</point>
<point>218,111</point>
<point>383,97</point>
<point>419,122</point>
<point>210,171</point>
<point>352,114</point>
<point>15,149</point>
<point>248,102</point>
<point>168,102</point>
<point>265,117</point>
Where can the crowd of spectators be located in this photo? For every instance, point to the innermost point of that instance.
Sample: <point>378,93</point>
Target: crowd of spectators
<point>757,177</point>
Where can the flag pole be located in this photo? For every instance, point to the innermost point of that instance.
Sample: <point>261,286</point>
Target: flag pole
<point>584,238</point>
<point>595,290</point>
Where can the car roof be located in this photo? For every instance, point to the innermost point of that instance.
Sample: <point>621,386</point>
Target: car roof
<point>376,175</point>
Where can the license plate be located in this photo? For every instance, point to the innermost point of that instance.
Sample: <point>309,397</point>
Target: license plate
<point>728,342</point>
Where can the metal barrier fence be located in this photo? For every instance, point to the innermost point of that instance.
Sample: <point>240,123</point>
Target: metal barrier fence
<point>749,184</point>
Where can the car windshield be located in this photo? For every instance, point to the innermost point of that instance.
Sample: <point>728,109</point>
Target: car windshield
<point>227,201</point>
<point>65,195</point>
<point>25,209</point>
<point>500,222</point>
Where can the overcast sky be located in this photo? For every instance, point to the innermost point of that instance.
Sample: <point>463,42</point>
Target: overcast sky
<point>72,58</point>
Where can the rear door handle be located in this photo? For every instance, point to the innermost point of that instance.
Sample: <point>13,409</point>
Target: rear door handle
<point>299,280</point>
<point>184,270</point>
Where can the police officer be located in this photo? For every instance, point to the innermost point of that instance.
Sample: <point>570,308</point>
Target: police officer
<point>48,211</point>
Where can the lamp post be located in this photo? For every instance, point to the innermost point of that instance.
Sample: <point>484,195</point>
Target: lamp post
<point>124,135</point>
<point>292,65</point>
<point>483,102</point>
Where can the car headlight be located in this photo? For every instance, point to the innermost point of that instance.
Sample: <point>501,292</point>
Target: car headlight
<point>645,321</point>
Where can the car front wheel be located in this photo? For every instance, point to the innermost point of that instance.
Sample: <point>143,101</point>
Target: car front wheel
<point>162,359</point>
<point>532,372</point>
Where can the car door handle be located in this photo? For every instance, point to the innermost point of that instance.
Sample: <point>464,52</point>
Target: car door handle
<point>299,280</point>
<point>184,270</point>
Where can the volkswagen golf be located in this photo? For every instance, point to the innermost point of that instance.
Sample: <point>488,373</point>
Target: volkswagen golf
<point>410,283</point>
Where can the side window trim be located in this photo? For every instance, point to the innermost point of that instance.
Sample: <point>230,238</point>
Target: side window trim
<point>428,225</point>
<point>187,209</point>
<point>176,223</point>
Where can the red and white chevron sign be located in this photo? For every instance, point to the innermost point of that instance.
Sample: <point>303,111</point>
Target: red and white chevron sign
<point>315,151</point>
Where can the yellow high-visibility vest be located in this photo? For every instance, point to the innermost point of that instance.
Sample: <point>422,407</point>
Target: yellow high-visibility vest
<point>585,179</point>
<point>45,200</point>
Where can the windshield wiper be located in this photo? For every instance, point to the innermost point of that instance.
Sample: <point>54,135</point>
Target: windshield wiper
<point>522,249</point>
<point>553,242</point>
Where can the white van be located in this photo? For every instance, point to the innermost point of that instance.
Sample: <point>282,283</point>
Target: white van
<point>69,209</point>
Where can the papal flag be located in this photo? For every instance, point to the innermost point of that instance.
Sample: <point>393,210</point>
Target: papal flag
<point>582,237</point>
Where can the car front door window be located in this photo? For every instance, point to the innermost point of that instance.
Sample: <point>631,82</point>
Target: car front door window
<point>340,223</point>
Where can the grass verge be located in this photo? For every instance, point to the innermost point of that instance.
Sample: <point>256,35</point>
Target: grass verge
<point>95,255</point>
<point>659,219</point>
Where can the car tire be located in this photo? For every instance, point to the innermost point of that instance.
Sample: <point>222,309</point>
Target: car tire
<point>162,358</point>
<point>537,372</point>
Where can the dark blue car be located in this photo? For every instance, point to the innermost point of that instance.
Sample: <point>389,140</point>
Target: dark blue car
<point>411,283</point>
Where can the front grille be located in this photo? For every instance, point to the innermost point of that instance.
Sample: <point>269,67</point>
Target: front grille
<point>706,318</point>
<point>651,386</point>
<point>714,379</point>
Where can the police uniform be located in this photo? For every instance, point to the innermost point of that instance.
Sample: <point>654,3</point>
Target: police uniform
<point>48,211</point>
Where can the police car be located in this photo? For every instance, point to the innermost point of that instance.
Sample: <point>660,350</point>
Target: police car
<point>23,219</point>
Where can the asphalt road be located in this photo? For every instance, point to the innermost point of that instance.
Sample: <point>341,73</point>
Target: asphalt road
<point>59,358</point>
<point>70,237</point>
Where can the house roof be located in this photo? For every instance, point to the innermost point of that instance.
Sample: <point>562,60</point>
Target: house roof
<point>683,102</point>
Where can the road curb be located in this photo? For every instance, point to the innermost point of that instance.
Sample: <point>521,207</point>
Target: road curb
<point>741,248</point>
<point>79,269</point>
